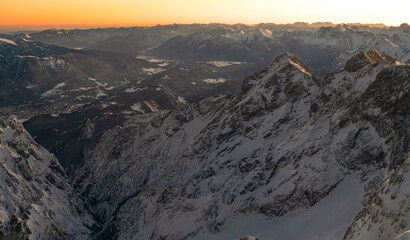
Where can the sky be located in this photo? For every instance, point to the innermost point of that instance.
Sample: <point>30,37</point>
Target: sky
<point>153,12</point>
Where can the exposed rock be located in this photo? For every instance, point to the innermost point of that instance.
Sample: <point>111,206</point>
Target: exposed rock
<point>262,152</point>
<point>36,200</point>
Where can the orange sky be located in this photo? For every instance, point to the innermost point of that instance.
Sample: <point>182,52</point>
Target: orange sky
<point>152,12</point>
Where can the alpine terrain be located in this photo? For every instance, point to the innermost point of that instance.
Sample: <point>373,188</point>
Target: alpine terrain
<point>152,133</point>
<point>289,150</point>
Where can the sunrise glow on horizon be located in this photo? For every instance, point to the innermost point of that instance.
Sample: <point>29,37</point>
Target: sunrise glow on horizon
<point>152,12</point>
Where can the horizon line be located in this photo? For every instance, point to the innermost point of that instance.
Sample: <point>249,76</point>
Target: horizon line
<point>90,26</point>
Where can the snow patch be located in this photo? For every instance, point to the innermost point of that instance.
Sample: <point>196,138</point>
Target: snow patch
<point>223,63</point>
<point>31,86</point>
<point>101,94</point>
<point>152,71</point>
<point>133,89</point>
<point>136,107</point>
<point>153,59</point>
<point>163,64</point>
<point>109,88</point>
<point>28,56</point>
<point>166,77</point>
<point>267,33</point>
<point>181,100</point>
<point>152,106</point>
<point>226,35</point>
<point>54,91</point>
<point>84,88</point>
<point>214,81</point>
<point>299,67</point>
<point>8,41</point>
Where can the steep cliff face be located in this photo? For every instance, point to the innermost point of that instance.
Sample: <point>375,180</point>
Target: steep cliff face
<point>386,214</point>
<point>36,201</point>
<point>288,149</point>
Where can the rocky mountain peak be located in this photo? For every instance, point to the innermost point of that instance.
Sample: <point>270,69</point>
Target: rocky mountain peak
<point>404,27</point>
<point>286,79</point>
<point>331,32</point>
<point>371,57</point>
<point>294,61</point>
<point>286,64</point>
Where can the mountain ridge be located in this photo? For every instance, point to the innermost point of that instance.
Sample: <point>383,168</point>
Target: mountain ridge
<point>37,201</point>
<point>235,159</point>
<point>289,148</point>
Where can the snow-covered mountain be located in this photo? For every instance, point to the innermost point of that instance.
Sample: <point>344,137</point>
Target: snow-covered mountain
<point>400,51</point>
<point>315,146</point>
<point>289,150</point>
<point>320,45</point>
<point>58,89</point>
<point>36,200</point>
<point>291,156</point>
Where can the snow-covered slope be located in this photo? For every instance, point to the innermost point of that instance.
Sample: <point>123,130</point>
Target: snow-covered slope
<point>386,214</point>
<point>283,151</point>
<point>396,46</point>
<point>387,211</point>
<point>36,201</point>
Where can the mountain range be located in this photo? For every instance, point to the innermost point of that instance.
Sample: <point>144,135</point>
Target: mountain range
<point>288,148</point>
<point>206,132</point>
